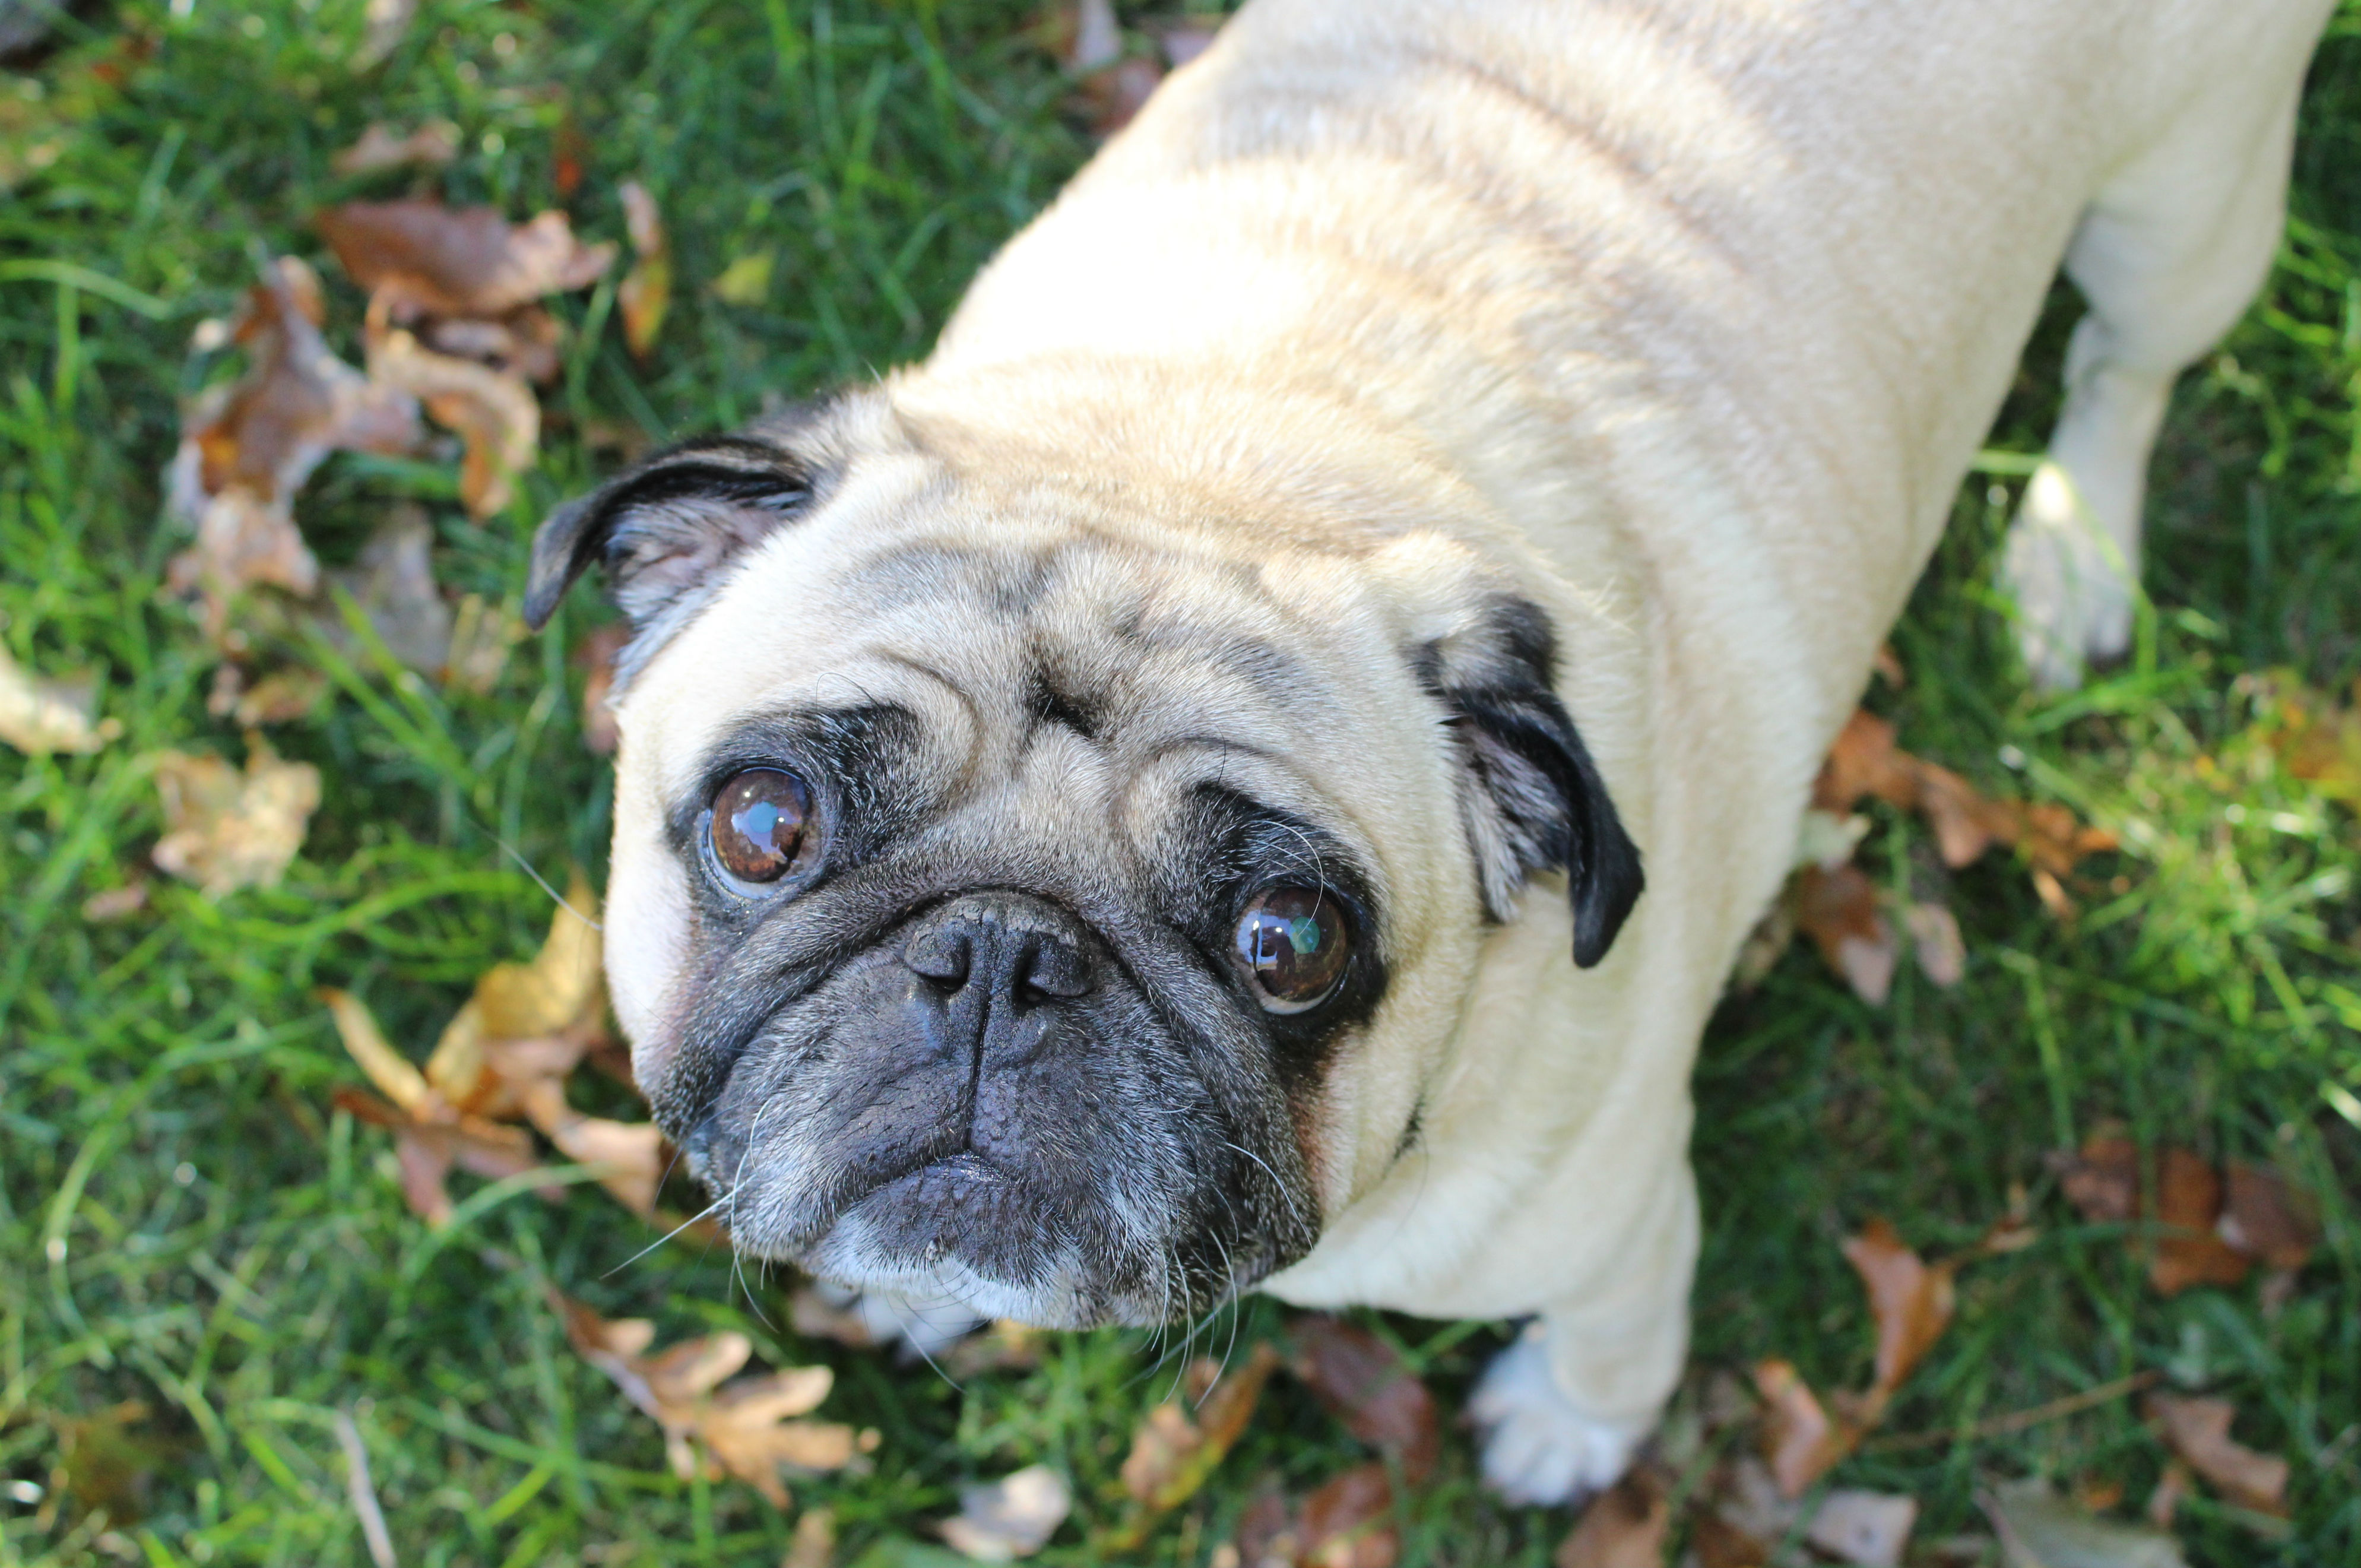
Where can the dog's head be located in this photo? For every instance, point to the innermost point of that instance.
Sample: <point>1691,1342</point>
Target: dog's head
<point>1021,895</point>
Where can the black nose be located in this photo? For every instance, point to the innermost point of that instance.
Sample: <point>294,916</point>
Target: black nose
<point>1009,946</point>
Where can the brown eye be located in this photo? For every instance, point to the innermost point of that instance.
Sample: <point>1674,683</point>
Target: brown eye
<point>758,825</point>
<point>1294,942</point>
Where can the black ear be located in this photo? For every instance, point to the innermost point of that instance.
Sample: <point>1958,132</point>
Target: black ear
<point>663,528</point>
<point>1532,798</point>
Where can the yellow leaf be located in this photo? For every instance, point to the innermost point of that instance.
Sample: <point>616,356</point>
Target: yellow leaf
<point>746,280</point>
<point>559,989</point>
<point>387,1067</point>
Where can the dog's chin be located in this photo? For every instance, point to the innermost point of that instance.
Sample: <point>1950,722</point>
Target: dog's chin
<point>958,1232</point>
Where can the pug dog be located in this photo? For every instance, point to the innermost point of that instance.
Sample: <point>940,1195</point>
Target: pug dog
<point>1249,767</point>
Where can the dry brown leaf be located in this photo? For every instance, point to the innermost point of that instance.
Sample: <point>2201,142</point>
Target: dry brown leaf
<point>1348,1522</point>
<point>742,1427</point>
<point>279,697</point>
<point>2039,1528</point>
<point>224,829</point>
<point>1838,910</point>
<point>2199,1432</point>
<point>2266,1219</point>
<point>434,143</point>
<point>427,1148</point>
<point>2210,1230</point>
<point>1363,1382</point>
<point>1172,1454</point>
<point>1936,943</point>
<point>523,343</point>
<point>492,410</point>
<point>2315,739</point>
<point>1911,1301</point>
<point>1966,824</point>
<point>645,294</point>
<point>1624,1527</point>
<point>2189,1249</point>
<point>2175,1483</point>
<point>814,1542</point>
<point>1013,1516</point>
<point>422,258</point>
<point>40,716</point>
<point>116,903</point>
<point>1864,761</point>
<point>247,447</point>
<point>812,1315</point>
<point>1718,1543</point>
<point>391,583</point>
<point>1869,1529</point>
<point>595,656</point>
<point>559,992</point>
<point>1799,1439</point>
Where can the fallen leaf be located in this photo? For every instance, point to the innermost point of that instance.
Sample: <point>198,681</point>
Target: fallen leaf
<point>247,447</point>
<point>1348,1522</point>
<point>569,154</point>
<point>813,1315</point>
<point>1863,761</point>
<point>434,143</point>
<point>2263,1218</point>
<point>746,280</point>
<point>395,1076</point>
<point>1966,824</point>
<point>116,903</point>
<point>2187,1248</point>
<point>2102,1179</point>
<point>1869,1529</point>
<point>1172,1454</point>
<point>1936,943</point>
<point>1264,1536</point>
<point>224,829</point>
<point>391,582</point>
<point>814,1542</point>
<point>422,258</point>
<point>2199,1432</point>
<point>1624,1527</point>
<point>595,656</point>
<point>1747,1501</point>
<point>1362,1381</point>
<point>109,1459</point>
<point>559,992</point>
<point>492,410</point>
<point>740,1427</point>
<point>2175,1483</point>
<point>1798,1437</point>
<point>1718,1543</point>
<point>279,697</point>
<point>1911,1301</point>
<point>1838,910</point>
<point>523,343</point>
<point>1011,1517</point>
<point>2039,1529</point>
<point>646,293</point>
<point>2314,739</point>
<point>1007,1345</point>
<point>426,1148</point>
<point>40,716</point>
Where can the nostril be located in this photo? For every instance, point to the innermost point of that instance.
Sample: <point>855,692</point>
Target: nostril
<point>1052,968</point>
<point>939,955</point>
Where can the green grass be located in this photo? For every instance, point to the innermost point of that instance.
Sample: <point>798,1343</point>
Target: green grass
<point>184,1223</point>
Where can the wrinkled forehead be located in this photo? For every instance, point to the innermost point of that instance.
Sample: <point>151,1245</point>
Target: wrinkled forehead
<point>992,618</point>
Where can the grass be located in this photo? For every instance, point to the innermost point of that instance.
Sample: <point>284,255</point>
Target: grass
<point>184,1224</point>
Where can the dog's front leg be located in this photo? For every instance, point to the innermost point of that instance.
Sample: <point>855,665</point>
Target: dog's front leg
<point>1563,1408</point>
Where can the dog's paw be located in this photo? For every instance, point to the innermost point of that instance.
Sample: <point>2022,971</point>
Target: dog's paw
<point>1538,1446</point>
<point>2073,593</point>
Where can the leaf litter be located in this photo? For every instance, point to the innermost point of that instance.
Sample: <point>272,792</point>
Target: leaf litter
<point>713,1423</point>
<point>645,294</point>
<point>226,829</point>
<point>2210,1226</point>
<point>1011,1517</point>
<point>40,716</point>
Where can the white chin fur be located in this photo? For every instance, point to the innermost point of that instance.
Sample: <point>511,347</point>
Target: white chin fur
<point>1539,1448</point>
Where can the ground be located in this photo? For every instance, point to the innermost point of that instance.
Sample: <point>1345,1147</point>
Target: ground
<point>188,1225</point>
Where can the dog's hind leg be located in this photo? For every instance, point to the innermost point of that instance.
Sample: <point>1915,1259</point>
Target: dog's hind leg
<point>2168,255</point>
<point>1563,1408</point>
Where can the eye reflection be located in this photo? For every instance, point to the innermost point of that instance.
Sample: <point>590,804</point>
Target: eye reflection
<point>759,825</point>
<point>1294,942</point>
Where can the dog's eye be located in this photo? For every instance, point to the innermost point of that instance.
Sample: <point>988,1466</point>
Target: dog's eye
<point>759,825</point>
<point>1294,942</point>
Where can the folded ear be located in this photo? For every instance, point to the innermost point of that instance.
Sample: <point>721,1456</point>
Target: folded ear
<point>665,527</point>
<point>1531,794</point>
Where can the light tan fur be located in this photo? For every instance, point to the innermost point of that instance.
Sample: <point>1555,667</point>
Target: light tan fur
<point>1682,318</point>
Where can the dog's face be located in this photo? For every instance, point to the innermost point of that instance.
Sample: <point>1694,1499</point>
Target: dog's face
<point>1025,899</point>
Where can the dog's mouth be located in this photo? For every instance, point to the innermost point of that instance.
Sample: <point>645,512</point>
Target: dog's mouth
<point>986,1106</point>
